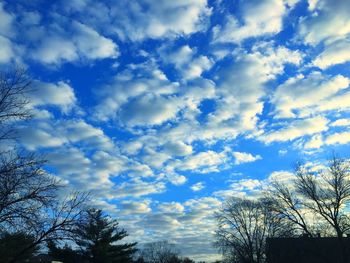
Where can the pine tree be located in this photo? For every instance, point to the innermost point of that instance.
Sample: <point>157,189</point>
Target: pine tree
<point>97,236</point>
<point>11,243</point>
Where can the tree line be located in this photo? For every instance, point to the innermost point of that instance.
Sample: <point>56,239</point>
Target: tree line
<point>312,204</point>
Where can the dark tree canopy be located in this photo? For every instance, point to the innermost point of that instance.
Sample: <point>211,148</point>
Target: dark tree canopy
<point>11,243</point>
<point>96,237</point>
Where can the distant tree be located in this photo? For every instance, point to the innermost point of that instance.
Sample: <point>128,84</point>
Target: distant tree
<point>160,252</point>
<point>64,254</point>
<point>187,260</point>
<point>97,236</point>
<point>243,226</point>
<point>10,243</point>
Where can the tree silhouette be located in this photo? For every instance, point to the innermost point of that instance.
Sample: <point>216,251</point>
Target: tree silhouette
<point>11,243</point>
<point>243,226</point>
<point>29,196</point>
<point>327,193</point>
<point>96,236</point>
<point>160,252</point>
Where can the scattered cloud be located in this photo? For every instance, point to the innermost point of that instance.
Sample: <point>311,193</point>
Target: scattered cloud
<point>268,22</point>
<point>197,186</point>
<point>296,129</point>
<point>242,157</point>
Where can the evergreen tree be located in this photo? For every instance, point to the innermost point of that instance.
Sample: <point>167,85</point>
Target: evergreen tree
<point>97,236</point>
<point>11,243</point>
<point>64,254</point>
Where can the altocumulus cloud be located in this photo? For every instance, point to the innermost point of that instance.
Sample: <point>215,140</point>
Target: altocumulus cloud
<point>163,109</point>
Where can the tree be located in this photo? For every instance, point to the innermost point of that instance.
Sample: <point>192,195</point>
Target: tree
<point>288,204</point>
<point>12,242</point>
<point>64,254</point>
<point>96,236</point>
<point>29,196</point>
<point>243,226</point>
<point>160,252</point>
<point>327,193</point>
<point>14,88</point>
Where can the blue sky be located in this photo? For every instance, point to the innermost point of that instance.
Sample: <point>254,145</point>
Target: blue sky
<point>163,108</point>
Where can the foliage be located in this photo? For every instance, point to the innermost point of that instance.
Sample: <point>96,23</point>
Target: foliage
<point>10,243</point>
<point>96,236</point>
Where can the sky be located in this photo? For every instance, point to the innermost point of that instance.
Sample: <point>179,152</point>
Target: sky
<point>162,109</point>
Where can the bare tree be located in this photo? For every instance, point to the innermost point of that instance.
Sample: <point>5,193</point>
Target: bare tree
<point>160,252</point>
<point>56,222</point>
<point>24,188</point>
<point>30,200</point>
<point>14,88</point>
<point>287,204</point>
<point>327,193</point>
<point>243,226</point>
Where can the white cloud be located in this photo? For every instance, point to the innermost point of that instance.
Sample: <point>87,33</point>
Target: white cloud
<point>133,207</point>
<point>202,162</point>
<point>6,51</point>
<point>296,129</point>
<point>172,207</point>
<point>284,177</point>
<point>197,186</point>
<point>341,122</point>
<point>259,18</point>
<point>6,22</point>
<point>187,62</point>
<point>338,138</point>
<point>155,159</point>
<point>177,148</point>
<point>142,95</point>
<point>329,21</point>
<point>149,110</point>
<point>58,94</point>
<point>242,157</point>
<point>161,222</point>
<point>33,139</point>
<point>176,179</point>
<point>302,96</point>
<point>246,185</point>
<point>139,95</point>
<point>315,142</point>
<point>81,131</point>
<point>92,45</point>
<point>70,161</point>
<point>137,188</point>
<point>149,19</point>
<point>335,53</point>
<point>241,84</point>
<point>81,42</point>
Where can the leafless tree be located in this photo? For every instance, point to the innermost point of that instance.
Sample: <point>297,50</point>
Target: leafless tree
<point>14,88</point>
<point>327,193</point>
<point>243,226</point>
<point>287,204</point>
<point>29,197</point>
<point>160,252</point>
<point>56,222</point>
